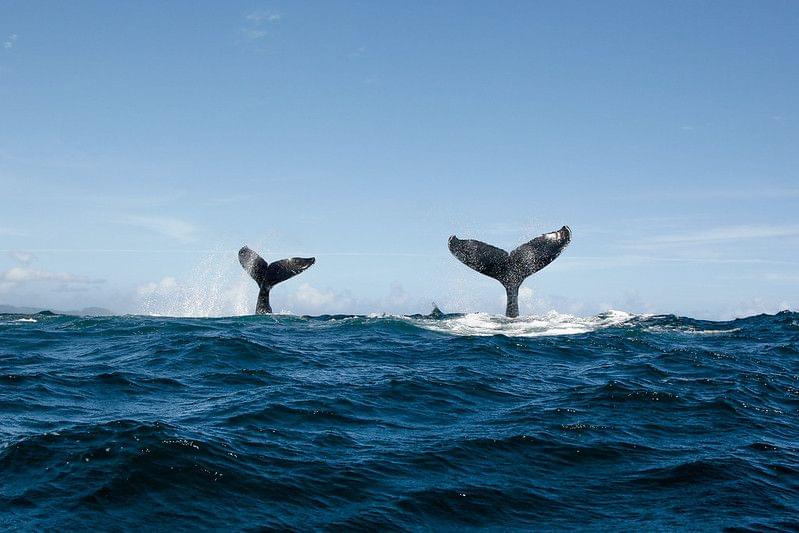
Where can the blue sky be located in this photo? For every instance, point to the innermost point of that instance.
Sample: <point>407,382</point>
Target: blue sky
<point>141,144</point>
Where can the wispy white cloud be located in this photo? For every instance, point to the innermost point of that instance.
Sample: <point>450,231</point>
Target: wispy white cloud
<point>789,277</point>
<point>358,52</point>
<point>256,22</point>
<point>777,277</point>
<point>10,232</point>
<point>725,233</point>
<point>21,256</point>
<point>253,34</point>
<point>10,41</point>
<point>728,193</point>
<point>174,228</point>
<point>17,276</point>
<point>260,16</point>
<point>226,200</point>
<point>622,261</point>
<point>23,275</point>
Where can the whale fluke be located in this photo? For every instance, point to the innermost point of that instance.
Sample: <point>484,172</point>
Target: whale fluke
<point>511,269</point>
<point>436,312</point>
<point>267,275</point>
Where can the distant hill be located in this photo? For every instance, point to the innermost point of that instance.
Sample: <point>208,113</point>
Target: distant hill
<point>86,311</point>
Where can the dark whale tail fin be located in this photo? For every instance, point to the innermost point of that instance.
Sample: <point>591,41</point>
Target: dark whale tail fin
<point>267,275</point>
<point>436,312</point>
<point>511,269</point>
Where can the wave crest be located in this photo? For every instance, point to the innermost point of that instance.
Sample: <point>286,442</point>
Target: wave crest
<point>552,323</point>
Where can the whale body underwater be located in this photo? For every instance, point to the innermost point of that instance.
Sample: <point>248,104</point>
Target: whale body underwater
<point>510,269</point>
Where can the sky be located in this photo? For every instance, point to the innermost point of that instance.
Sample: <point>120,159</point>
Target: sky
<point>143,143</point>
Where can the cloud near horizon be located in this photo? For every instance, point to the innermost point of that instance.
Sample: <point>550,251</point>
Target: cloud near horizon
<point>174,228</point>
<point>17,276</point>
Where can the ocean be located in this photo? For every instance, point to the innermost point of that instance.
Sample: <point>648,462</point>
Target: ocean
<point>554,422</point>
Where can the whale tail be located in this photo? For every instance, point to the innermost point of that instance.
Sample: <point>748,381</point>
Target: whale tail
<point>511,269</point>
<point>436,312</point>
<point>267,275</point>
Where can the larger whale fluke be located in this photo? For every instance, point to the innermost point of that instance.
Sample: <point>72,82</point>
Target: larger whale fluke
<point>511,269</point>
<point>267,275</point>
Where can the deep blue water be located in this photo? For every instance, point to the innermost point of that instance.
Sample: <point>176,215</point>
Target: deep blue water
<point>389,422</point>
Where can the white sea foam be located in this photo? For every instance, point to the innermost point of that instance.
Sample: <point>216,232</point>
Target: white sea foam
<point>32,320</point>
<point>552,323</point>
<point>712,331</point>
<point>216,287</point>
<point>688,330</point>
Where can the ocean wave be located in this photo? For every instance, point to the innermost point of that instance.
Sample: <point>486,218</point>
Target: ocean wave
<point>552,323</point>
<point>394,422</point>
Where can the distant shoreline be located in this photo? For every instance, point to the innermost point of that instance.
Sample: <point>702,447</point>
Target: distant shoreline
<point>86,311</point>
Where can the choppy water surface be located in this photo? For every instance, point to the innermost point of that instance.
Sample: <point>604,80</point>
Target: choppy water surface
<point>551,422</point>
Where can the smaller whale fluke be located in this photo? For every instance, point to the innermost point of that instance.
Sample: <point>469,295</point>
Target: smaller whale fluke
<point>436,312</point>
<point>267,275</point>
<point>511,269</point>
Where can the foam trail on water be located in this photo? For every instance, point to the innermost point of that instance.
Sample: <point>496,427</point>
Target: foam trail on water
<point>551,323</point>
